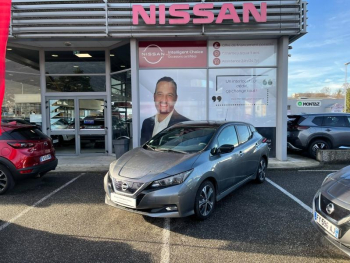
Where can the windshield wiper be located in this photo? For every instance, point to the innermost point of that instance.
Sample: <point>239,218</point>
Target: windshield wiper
<point>149,147</point>
<point>172,150</point>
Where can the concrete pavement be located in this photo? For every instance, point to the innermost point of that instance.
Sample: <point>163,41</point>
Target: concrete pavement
<point>91,163</point>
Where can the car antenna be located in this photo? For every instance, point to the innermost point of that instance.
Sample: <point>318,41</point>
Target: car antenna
<point>226,114</point>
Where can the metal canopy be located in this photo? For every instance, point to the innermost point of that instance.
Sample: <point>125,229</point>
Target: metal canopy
<point>113,19</point>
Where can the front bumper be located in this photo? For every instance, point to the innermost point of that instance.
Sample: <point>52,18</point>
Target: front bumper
<point>343,243</point>
<point>154,203</point>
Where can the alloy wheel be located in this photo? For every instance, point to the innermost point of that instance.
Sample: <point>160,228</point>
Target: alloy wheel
<point>262,170</point>
<point>3,180</point>
<point>206,200</point>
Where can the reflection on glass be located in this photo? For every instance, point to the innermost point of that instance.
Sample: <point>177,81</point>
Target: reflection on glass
<point>120,58</point>
<point>61,114</point>
<point>74,62</point>
<point>92,143</point>
<point>91,114</point>
<point>64,144</point>
<point>75,83</point>
<point>22,98</point>
<point>121,104</point>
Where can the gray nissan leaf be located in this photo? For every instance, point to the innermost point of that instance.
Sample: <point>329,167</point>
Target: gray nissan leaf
<point>186,168</point>
<point>331,209</point>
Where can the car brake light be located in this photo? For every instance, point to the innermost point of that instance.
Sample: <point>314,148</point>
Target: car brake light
<point>264,140</point>
<point>20,145</point>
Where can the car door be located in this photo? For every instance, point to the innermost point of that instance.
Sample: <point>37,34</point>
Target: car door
<point>338,128</point>
<point>226,164</point>
<point>246,150</point>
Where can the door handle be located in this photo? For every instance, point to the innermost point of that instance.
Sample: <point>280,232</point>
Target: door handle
<point>240,153</point>
<point>328,130</point>
<point>256,144</point>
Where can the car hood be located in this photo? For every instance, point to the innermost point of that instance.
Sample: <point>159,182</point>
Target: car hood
<point>151,165</point>
<point>338,187</point>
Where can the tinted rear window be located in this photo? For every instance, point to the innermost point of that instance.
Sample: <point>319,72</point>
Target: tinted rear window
<point>27,134</point>
<point>317,121</point>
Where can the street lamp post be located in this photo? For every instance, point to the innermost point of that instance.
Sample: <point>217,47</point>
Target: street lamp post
<point>346,84</point>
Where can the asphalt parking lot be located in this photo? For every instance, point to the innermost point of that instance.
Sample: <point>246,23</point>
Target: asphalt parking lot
<point>62,218</point>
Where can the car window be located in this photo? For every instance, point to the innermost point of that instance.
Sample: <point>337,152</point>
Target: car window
<point>252,128</point>
<point>185,139</point>
<point>347,121</point>
<point>317,121</point>
<point>334,121</point>
<point>243,133</point>
<point>4,136</point>
<point>228,136</point>
<point>27,134</point>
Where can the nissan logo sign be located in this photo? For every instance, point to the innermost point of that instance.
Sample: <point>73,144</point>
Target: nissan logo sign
<point>125,186</point>
<point>330,208</point>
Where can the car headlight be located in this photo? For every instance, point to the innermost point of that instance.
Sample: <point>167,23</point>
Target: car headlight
<point>328,177</point>
<point>172,180</point>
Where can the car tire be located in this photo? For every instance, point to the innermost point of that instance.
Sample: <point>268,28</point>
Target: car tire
<point>261,172</point>
<point>205,200</point>
<point>6,180</point>
<point>318,144</point>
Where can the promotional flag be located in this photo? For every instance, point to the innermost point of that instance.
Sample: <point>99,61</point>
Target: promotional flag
<point>5,14</point>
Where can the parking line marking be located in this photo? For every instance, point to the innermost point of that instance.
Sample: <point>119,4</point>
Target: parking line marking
<point>3,226</point>
<point>318,170</point>
<point>290,195</point>
<point>165,254</point>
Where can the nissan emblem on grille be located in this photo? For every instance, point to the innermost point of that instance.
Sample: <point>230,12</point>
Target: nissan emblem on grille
<point>125,186</point>
<point>330,208</point>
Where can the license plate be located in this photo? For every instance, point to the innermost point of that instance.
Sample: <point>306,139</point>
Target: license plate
<point>328,226</point>
<point>55,141</point>
<point>123,200</point>
<point>45,157</point>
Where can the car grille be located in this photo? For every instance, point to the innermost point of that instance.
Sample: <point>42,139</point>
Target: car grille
<point>127,187</point>
<point>339,212</point>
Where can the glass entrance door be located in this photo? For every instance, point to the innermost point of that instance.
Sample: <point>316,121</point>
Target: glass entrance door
<point>77,125</point>
<point>92,127</point>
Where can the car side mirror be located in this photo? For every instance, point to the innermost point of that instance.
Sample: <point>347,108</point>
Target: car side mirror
<point>214,151</point>
<point>226,148</point>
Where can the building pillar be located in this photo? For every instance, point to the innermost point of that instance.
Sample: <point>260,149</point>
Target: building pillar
<point>108,110</point>
<point>135,94</point>
<point>282,99</point>
<point>44,118</point>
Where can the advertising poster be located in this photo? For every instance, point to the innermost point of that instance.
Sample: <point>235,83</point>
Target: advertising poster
<point>170,94</point>
<point>247,95</point>
<point>185,102</point>
<point>242,53</point>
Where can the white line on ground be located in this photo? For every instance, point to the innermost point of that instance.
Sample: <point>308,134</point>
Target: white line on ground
<point>165,255</point>
<point>318,170</point>
<point>3,226</point>
<point>290,195</point>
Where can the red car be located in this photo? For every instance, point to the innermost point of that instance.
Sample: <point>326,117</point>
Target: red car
<point>24,152</point>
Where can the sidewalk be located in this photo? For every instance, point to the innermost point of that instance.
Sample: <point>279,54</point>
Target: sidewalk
<point>101,163</point>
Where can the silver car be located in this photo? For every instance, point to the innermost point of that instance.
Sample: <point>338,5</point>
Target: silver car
<point>186,169</point>
<point>331,209</point>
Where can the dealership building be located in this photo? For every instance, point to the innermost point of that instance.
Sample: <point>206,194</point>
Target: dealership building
<point>86,71</point>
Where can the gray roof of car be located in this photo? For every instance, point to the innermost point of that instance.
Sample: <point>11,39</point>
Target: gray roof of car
<point>209,123</point>
<point>327,114</point>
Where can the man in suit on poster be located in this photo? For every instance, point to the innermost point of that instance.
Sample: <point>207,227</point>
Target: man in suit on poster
<point>165,97</point>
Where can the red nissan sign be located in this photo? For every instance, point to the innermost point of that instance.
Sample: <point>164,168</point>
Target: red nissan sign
<point>202,13</point>
<point>173,54</point>
<point>5,13</point>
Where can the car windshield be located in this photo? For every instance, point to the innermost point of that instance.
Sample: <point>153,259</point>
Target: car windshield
<point>181,139</point>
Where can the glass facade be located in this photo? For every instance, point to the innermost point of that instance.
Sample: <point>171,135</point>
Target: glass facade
<point>22,100</point>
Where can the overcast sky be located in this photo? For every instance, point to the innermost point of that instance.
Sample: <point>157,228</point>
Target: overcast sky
<point>318,58</point>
